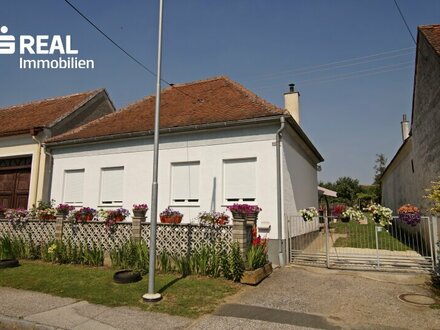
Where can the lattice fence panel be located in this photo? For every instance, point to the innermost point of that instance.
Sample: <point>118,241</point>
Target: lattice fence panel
<point>95,234</point>
<point>33,230</point>
<point>183,239</point>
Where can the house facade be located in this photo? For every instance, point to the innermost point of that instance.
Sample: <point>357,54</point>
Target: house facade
<point>25,168</point>
<point>417,162</point>
<point>217,148</point>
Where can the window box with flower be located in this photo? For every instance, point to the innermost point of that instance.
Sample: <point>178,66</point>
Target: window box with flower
<point>84,214</point>
<point>111,217</point>
<point>44,211</point>
<point>170,216</point>
<point>213,218</point>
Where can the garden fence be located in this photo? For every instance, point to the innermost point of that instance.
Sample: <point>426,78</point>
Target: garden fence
<point>173,238</point>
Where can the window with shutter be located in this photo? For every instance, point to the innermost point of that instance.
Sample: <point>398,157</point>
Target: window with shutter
<point>185,183</point>
<point>73,187</point>
<point>239,180</point>
<point>112,185</point>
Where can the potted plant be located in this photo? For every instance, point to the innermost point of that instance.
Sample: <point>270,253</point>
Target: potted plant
<point>118,215</point>
<point>257,265</point>
<point>213,218</point>
<point>337,210</point>
<point>84,214</point>
<point>17,217</point>
<point>111,217</point>
<point>351,213</point>
<point>64,209</point>
<point>244,211</point>
<point>381,214</point>
<point>139,210</point>
<point>44,211</point>
<point>308,213</point>
<point>409,214</point>
<point>170,216</point>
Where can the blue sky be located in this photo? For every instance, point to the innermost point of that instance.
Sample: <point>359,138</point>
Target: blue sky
<point>351,109</point>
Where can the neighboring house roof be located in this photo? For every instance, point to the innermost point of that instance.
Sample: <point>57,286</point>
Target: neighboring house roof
<point>327,192</point>
<point>213,100</point>
<point>22,118</point>
<point>432,34</point>
<point>396,156</point>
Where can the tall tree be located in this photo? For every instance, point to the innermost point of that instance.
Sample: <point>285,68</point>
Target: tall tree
<point>379,168</point>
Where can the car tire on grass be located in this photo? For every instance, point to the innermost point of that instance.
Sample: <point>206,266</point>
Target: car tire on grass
<point>8,263</point>
<point>126,276</point>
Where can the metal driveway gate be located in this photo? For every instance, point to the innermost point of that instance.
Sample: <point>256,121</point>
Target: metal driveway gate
<point>331,243</point>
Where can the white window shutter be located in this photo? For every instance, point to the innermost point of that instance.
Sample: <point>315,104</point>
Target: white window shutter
<point>240,179</point>
<point>112,185</point>
<point>185,182</point>
<point>73,186</point>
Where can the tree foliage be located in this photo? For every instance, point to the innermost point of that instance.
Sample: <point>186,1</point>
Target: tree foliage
<point>379,167</point>
<point>347,189</point>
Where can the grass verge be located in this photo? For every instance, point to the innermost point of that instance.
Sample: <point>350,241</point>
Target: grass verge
<point>189,296</point>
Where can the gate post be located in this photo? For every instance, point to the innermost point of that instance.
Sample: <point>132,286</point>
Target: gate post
<point>376,230</point>
<point>327,254</point>
<point>436,240</point>
<point>432,239</point>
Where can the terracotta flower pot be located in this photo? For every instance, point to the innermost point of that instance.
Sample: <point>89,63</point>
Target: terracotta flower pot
<point>171,219</point>
<point>119,218</point>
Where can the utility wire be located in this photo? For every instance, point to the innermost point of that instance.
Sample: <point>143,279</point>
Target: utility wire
<point>404,21</point>
<point>355,74</point>
<point>340,61</point>
<point>122,49</point>
<point>337,66</point>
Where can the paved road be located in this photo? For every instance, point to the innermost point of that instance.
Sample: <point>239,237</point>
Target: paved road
<point>291,298</point>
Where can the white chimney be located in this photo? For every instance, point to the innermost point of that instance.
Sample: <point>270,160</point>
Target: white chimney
<point>291,103</point>
<point>405,128</point>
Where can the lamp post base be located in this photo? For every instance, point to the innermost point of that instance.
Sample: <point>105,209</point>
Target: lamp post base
<point>151,297</point>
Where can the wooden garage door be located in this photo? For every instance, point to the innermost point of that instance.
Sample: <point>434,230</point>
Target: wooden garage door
<point>15,177</point>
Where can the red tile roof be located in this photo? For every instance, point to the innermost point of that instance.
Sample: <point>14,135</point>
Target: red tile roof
<point>432,34</point>
<point>20,119</point>
<point>207,101</point>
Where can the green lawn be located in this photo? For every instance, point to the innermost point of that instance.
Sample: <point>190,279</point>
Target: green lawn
<point>190,296</point>
<point>363,236</point>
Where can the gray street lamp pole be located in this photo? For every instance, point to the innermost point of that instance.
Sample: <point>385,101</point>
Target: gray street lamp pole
<point>150,296</point>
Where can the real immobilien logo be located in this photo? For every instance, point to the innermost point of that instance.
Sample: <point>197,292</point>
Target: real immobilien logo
<point>31,46</point>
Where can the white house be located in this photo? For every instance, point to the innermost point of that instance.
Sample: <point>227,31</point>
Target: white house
<point>217,147</point>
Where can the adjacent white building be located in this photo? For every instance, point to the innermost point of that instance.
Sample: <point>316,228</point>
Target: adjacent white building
<point>217,147</point>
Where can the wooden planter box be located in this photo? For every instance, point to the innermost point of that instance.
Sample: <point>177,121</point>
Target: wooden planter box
<point>253,277</point>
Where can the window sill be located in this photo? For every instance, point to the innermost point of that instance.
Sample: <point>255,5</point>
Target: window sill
<point>184,205</point>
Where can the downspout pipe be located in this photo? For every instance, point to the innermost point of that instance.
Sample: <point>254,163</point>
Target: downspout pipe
<point>37,175</point>
<point>279,204</point>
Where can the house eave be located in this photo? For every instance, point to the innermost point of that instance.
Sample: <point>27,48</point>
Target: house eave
<point>169,130</point>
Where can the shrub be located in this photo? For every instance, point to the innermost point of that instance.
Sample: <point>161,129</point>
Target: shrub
<point>132,255</point>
